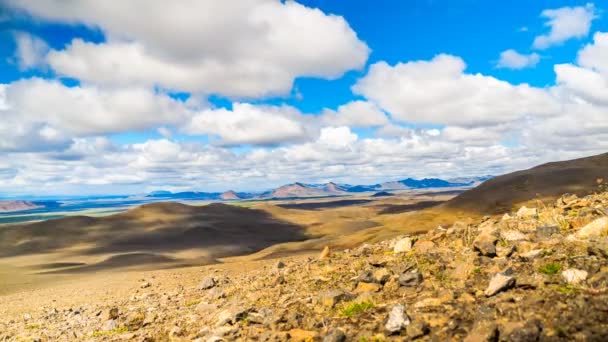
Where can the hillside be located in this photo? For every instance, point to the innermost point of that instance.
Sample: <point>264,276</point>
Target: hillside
<point>170,230</point>
<point>229,196</point>
<point>536,275</point>
<point>12,206</point>
<point>547,181</point>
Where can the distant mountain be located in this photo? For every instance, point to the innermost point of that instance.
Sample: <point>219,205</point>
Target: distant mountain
<point>429,183</point>
<point>333,188</point>
<point>382,194</point>
<point>297,190</point>
<point>470,180</point>
<point>186,195</point>
<point>230,196</point>
<point>12,206</point>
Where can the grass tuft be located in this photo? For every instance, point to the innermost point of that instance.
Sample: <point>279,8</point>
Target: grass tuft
<point>353,309</point>
<point>550,268</point>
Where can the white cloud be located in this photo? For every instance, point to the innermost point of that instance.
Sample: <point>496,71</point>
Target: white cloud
<point>35,109</point>
<point>250,124</point>
<point>440,92</point>
<point>512,59</point>
<point>30,52</point>
<point>595,56</point>
<point>271,44</point>
<point>565,23</point>
<point>355,114</point>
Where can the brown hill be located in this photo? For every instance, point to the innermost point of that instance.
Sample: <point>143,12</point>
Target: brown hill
<point>547,181</point>
<point>164,229</point>
<point>296,190</point>
<point>10,206</point>
<point>229,196</point>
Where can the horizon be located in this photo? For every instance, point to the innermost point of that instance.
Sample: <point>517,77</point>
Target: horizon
<point>98,103</point>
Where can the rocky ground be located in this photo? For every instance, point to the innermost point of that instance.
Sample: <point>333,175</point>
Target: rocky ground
<point>540,274</point>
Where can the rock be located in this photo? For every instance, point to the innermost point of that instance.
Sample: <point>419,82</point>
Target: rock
<point>513,235</point>
<point>331,298</point>
<point>280,265</point>
<point>135,321</point>
<point>206,283</point>
<point>595,229</point>
<point>504,252</point>
<point>527,213</point>
<point>366,277</point>
<point>367,287</point>
<point>417,329</point>
<point>145,285</point>
<point>110,325</point>
<point>424,246</point>
<point>574,276</point>
<point>335,335</point>
<point>113,313</point>
<point>531,255</point>
<point>545,232</point>
<point>410,279</point>
<point>519,331</point>
<point>176,332</point>
<point>483,331</point>
<point>598,249</point>
<point>485,244</point>
<point>499,282</point>
<point>381,275</point>
<point>397,319</point>
<point>303,335</point>
<point>403,246</point>
<point>325,253</point>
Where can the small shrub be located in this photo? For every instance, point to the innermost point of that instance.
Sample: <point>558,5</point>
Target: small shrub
<point>353,309</point>
<point>550,268</point>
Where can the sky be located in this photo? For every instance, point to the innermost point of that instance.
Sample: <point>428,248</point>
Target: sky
<point>100,97</point>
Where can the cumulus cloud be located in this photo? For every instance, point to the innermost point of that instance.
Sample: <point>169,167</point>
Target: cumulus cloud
<point>355,114</point>
<point>271,44</point>
<point>565,23</point>
<point>250,124</point>
<point>512,59</point>
<point>48,111</point>
<point>440,92</point>
<point>30,52</point>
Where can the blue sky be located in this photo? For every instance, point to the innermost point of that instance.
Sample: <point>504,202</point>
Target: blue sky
<point>265,92</point>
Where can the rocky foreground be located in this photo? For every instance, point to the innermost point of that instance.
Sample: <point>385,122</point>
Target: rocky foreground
<point>540,274</point>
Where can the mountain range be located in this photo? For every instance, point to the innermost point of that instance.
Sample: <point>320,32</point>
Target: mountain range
<point>302,190</point>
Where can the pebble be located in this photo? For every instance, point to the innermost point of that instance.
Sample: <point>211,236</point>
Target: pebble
<point>595,229</point>
<point>410,279</point>
<point>335,335</point>
<point>207,283</point>
<point>325,253</point>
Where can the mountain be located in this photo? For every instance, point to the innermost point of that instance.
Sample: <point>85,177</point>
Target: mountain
<point>546,181</point>
<point>296,190</point>
<point>12,206</point>
<point>382,194</point>
<point>333,188</point>
<point>230,196</point>
<point>186,195</point>
<point>426,183</point>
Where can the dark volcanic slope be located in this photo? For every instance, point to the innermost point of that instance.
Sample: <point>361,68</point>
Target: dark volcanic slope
<point>497,195</point>
<point>151,228</point>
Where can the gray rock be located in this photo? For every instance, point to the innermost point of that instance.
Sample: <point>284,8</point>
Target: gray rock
<point>545,232</point>
<point>280,265</point>
<point>574,276</point>
<point>417,329</point>
<point>381,275</point>
<point>110,325</point>
<point>499,282</point>
<point>485,244</point>
<point>397,319</point>
<point>366,277</point>
<point>335,335</point>
<point>207,283</point>
<point>483,331</point>
<point>331,298</point>
<point>410,279</point>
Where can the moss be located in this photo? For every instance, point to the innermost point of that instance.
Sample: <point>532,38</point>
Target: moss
<point>33,326</point>
<point>550,268</point>
<point>353,309</point>
<point>193,303</point>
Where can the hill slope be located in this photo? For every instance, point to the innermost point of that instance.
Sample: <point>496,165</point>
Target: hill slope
<point>547,181</point>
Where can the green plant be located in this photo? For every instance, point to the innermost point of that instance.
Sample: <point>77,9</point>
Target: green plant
<point>193,303</point>
<point>353,309</point>
<point>477,270</point>
<point>550,268</point>
<point>566,289</point>
<point>32,326</point>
